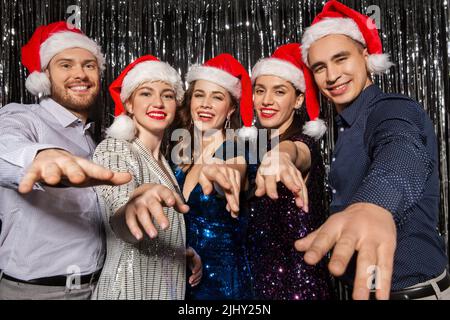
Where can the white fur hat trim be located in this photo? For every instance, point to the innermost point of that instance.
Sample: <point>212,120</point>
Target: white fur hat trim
<point>216,75</point>
<point>279,68</point>
<point>151,71</point>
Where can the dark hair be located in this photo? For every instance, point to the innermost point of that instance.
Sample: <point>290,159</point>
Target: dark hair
<point>299,120</point>
<point>183,117</point>
<point>296,127</point>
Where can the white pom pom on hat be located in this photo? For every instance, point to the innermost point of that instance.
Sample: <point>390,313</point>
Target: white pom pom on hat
<point>38,83</point>
<point>122,128</point>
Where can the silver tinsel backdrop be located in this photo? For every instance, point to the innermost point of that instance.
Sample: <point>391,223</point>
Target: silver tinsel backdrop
<point>415,33</point>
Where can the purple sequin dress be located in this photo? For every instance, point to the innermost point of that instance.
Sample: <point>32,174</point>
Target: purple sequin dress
<point>278,270</point>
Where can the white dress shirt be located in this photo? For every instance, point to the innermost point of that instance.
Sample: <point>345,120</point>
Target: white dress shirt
<point>49,231</point>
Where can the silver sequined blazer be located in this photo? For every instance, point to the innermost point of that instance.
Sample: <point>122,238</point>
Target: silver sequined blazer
<point>151,269</point>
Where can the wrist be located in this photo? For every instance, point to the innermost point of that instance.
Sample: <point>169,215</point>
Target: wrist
<point>50,152</point>
<point>288,148</point>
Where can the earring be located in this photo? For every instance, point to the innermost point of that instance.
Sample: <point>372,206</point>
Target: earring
<point>228,123</point>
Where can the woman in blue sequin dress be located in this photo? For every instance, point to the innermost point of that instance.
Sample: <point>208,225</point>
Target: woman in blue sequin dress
<point>211,176</point>
<point>280,213</point>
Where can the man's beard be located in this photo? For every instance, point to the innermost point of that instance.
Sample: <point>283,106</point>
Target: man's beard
<point>72,102</point>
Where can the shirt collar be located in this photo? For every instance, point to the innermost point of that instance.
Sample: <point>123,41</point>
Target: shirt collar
<point>64,116</point>
<point>362,102</point>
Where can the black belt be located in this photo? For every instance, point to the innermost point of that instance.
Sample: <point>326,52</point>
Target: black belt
<point>419,292</point>
<point>58,281</point>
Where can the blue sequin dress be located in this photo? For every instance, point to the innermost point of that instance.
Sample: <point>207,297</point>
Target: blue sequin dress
<point>219,240</point>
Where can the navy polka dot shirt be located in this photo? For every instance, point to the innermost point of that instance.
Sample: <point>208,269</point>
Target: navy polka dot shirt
<point>386,154</point>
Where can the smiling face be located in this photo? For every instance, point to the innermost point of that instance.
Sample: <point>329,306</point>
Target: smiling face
<point>152,106</point>
<point>275,101</point>
<point>339,67</point>
<point>211,105</point>
<point>75,80</point>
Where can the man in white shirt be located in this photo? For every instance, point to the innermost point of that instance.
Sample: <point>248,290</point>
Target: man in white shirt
<point>51,242</point>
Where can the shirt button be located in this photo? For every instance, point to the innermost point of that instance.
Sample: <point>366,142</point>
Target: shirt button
<point>334,191</point>
<point>333,160</point>
<point>341,129</point>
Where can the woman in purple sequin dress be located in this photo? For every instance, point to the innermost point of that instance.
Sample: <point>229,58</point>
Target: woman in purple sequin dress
<point>275,222</point>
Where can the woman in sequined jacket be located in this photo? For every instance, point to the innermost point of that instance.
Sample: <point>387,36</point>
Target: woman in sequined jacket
<point>210,174</point>
<point>288,183</point>
<point>145,231</point>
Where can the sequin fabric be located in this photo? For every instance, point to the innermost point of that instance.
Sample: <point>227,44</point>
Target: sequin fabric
<point>219,240</point>
<point>278,270</point>
<point>152,269</point>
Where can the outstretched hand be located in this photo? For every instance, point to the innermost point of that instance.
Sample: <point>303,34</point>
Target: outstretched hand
<point>55,166</point>
<point>277,167</point>
<point>146,204</point>
<point>227,178</point>
<point>363,227</point>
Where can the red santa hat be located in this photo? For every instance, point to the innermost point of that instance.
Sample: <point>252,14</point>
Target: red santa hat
<point>144,69</point>
<point>225,71</point>
<point>46,42</point>
<point>286,63</point>
<point>337,18</point>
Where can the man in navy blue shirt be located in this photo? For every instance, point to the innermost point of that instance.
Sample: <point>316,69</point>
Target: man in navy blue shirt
<point>384,172</point>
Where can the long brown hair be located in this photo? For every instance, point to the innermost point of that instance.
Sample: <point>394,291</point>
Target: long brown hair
<point>300,117</point>
<point>183,119</point>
